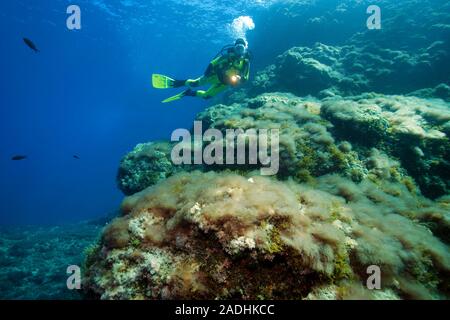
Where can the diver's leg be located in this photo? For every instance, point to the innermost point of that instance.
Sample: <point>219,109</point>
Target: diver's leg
<point>193,83</point>
<point>211,92</point>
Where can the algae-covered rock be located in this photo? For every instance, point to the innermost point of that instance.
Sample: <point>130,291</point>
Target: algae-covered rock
<point>222,236</point>
<point>318,137</point>
<point>314,134</point>
<point>344,198</point>
<point>147,164</point>
<point>441,91</point>
<point>350,69</point>
<point>307,148</point>
<point>301,71</point>
<point>412,129</point>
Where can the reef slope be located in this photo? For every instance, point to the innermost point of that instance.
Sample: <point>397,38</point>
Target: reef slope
<point>349,194</point>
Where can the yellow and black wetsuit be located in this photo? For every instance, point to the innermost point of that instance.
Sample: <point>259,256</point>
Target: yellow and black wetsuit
<point>226,69</point>
<point>220,73</point>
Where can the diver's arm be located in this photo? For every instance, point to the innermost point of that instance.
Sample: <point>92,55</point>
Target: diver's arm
<point>246,72</point>
<point>210,70</point>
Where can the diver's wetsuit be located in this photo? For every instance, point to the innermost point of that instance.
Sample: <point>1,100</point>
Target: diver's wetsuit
<point>218,74</point>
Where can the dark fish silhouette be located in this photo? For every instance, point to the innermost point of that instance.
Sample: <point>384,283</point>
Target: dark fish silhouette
<point>30,44</point>
<point>76,157</point>
<point>18,158</point>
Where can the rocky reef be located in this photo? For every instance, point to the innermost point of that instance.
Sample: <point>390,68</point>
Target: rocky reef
<point>350,136</point>
<point>324,70</point>
<point>223,235</point>
<point>408,26</point>
<point>413,130</point>
<point>348,195</point>
<point>333,52</point>
<point>147,164</point>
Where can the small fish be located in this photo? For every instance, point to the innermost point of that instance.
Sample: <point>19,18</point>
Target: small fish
<point>30,44</point>
<point>76,157</point>
<point>18,158</point>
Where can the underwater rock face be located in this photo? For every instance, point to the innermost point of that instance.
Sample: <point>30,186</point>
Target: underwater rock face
<point>368,136</point>
<point>441,91</point>
<point>346,199</point>
<point>345,135</point>
<point>223,235</point>
<point>306,146</point>
<point>147,164</point>
<point>342,70</point>
<point>422,22</point>
<point>411,129</point>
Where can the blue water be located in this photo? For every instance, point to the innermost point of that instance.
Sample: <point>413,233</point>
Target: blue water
<point>88,93</point>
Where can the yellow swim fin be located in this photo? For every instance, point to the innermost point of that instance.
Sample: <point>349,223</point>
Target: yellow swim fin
<point>160,81</point>
<point>175,97</point>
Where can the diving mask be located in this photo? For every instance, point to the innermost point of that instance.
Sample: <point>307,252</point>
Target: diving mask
<point>240,50</point>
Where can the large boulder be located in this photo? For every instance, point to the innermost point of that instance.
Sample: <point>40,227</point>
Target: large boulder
<point>226,236</point>
<point>144,166</point>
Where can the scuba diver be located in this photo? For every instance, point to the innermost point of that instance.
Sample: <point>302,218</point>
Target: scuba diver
<point>230,67</point>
